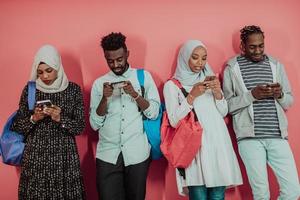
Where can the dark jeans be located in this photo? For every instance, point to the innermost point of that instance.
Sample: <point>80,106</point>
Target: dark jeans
<point>204,193</point>
<point>117,182</point>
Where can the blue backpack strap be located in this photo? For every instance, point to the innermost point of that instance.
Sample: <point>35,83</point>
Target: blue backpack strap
<point>141,79</point>
<point>31,94</point>
<point>140,76</point>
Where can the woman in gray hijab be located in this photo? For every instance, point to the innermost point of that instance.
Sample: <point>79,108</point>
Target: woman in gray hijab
<point>50,167</point>
<point>215,166</point>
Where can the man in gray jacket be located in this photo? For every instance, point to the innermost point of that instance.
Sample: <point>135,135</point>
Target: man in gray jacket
<point>258,92</point>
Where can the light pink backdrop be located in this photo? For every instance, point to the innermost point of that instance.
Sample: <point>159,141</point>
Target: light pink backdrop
<point>155,30</point>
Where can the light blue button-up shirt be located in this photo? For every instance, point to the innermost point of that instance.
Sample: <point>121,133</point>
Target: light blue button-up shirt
<point>121,129</point>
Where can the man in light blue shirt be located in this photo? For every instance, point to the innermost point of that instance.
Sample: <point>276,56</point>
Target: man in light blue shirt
<point>116,112</point>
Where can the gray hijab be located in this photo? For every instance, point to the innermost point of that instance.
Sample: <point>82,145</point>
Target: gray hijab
<point>49,55</point>
<point>183,72</point>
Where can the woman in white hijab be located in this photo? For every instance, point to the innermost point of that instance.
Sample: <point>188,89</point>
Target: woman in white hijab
<point>50,167</point>
<point>215,166</point>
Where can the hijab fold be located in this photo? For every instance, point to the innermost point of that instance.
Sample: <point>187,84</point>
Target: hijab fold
<point>50,56</point>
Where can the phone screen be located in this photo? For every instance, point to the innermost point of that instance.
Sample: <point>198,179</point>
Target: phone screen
<point>44,103</point>
<point>118,85</point>
<point>272,85</point>
<point>210,78</point>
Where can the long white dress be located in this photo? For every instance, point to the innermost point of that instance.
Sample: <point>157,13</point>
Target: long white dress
<point>216,163</point>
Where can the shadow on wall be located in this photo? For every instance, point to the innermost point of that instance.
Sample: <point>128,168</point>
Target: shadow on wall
<point>156,175</point>
<point>137,50</point>
<point>85,142</point>
<point>88,163</point>
<point>236,41</point>
<point>172,72</point>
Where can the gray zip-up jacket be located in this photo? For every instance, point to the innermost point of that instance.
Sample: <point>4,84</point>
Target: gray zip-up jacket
<point>240,100</point>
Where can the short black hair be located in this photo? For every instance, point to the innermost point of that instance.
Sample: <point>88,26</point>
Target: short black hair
<point>113,41</point>
<point>249,30</point>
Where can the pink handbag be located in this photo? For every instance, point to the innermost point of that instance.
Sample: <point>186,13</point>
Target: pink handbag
<point>181,144</point>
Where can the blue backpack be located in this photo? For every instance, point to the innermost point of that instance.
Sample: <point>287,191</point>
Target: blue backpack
<point>12,143</point>
<point>151,126</point>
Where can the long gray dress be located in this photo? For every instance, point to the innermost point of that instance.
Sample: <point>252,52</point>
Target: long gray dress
<point>50,166</point>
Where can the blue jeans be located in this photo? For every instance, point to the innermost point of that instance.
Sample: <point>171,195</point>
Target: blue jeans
<point>204,193</point>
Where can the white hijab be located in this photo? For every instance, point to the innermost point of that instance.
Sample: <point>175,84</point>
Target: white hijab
<point>183,72</point>
<point>49,55</point>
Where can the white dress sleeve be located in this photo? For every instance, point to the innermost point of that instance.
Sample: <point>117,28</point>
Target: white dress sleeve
<point>176,104</point>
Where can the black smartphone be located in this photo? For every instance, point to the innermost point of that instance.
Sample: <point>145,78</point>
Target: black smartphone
<point>209,78</point>
<point>118,85</point>
<point>272,85</point>
<point>44,103</point>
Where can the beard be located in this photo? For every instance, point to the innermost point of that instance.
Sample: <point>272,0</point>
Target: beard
<point>120,69</point>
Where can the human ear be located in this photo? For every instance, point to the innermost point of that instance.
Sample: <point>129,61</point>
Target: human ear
<point>242,47</point>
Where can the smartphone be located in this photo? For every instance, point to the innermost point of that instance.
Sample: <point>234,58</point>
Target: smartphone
<point>44,103</point>
<point>272,85</point>
<point>209,78</point>
<point>118,85</point>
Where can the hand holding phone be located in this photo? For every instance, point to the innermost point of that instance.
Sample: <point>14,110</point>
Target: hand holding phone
<point>107,90</point>
<point>262,92</point>
<point>118,85</point>
<point>273,85</point>
<point>276,90</point>
<point>53,111</point>
<point>210,78</point>
<point>39,110</point>
<point>198,89</point>
<point>44,103</point>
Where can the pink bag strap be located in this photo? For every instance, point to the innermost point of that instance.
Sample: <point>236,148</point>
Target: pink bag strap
<point>178,84</point>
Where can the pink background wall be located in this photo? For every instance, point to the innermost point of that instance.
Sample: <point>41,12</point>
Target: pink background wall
<point>155,30</point>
